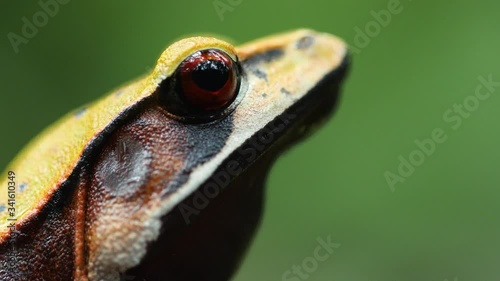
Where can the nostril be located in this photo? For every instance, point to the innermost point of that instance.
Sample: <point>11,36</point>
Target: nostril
<point>305,42</point>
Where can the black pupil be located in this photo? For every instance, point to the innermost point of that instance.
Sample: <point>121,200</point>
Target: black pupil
<point>211,75</point>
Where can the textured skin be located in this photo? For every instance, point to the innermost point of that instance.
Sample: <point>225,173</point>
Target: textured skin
<point>149,150</point>
<point>113,199</point>
<point>44,248</point>
<point>61,147</point>
<point>142,160</point>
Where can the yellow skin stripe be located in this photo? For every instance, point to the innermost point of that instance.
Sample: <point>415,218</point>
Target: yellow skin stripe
<point>52,156</point>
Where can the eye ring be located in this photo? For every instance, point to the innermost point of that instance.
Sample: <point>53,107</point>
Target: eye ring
<point>206,86</point>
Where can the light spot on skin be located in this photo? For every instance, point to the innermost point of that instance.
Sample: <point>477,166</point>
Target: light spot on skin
<point>119,93</point>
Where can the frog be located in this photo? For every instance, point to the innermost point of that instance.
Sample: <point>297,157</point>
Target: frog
<point>163,178</point>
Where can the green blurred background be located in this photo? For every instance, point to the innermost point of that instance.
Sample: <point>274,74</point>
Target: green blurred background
<point>442,223</point>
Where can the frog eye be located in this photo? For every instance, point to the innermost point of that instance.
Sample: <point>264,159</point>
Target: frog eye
<point>208,79</point>
<point>204,86</point>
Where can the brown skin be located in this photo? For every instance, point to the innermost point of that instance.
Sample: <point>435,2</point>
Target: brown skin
<point>150,142</point>
<point>51,232</point>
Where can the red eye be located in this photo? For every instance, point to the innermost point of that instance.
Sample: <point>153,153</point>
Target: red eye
<point>208,80</point>
<point>205,87</point>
